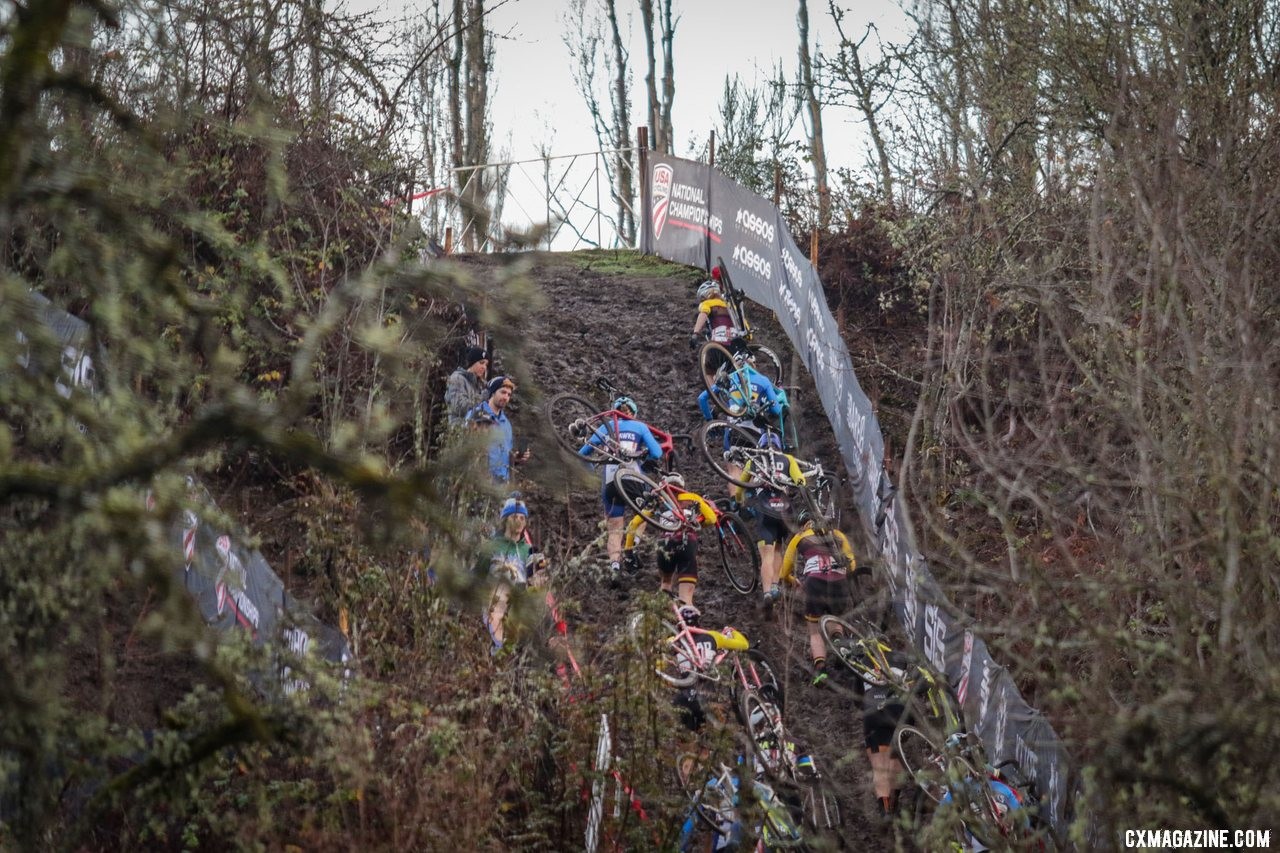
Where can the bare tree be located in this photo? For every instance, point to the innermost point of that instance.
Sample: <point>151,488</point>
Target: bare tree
<point>870,88</point>
<point>584,37</point>
<point>668,73</point>
<point>659,105</point>
<point>754,134</point>
<point>1101,377</point>
<point>651,75</point>
<point>809,92</point>
<point>468,75</point>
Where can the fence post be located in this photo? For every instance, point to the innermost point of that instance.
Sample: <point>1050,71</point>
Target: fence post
<point>448,240</point>
<point>711,148</point>
<point>642,153</point>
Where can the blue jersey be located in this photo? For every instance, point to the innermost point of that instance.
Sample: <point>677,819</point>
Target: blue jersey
<point>761,387</point>
<point>633,438</point>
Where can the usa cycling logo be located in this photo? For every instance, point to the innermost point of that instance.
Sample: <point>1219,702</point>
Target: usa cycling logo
<point>662,179</point>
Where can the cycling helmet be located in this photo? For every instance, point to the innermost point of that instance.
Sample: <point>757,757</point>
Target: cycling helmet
<point>803,516</point>
<point>675,479</point>
<point>769,439</point>
<point>628,402</point>
<point>708,289</point>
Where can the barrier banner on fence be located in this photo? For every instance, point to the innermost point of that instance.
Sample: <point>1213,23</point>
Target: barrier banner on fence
<point>234,588</point>
<point>694,216</point>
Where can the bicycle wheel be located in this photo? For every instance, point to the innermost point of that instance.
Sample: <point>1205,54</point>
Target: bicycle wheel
<point>728,446</point>
<point>823,496</point>
<point>770,686</point>
<point>649,500</point>
<point>673,662</point>
<point>710,801</point>
<point>763,720</point>
<point>573,420</point>
<point>738,554</point>
<point>727,388</point>
<point>779,829</point>
<point>924,760</point>
<point>858,647</point>
<point>767,362</point>
<point>821,807</point>
<point>989,809</point>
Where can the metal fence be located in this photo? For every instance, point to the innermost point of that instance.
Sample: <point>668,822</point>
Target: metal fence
<point>555,202</point>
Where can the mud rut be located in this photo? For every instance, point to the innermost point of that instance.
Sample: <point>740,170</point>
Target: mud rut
<point>634,329</point>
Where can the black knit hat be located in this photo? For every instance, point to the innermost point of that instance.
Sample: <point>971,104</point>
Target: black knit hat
<point>472,355</point>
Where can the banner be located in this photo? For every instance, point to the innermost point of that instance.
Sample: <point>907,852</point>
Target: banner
<point>234,588</point>
<point>695,215</point>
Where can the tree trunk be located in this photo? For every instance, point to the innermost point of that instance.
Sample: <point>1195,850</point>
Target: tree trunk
<point>668,76</point>
<point>651,75</point>
<point>621,129</point>
<point>817,150</point>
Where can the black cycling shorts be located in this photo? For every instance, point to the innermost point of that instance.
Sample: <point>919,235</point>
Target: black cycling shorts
<point>679,558</point>
<point>824,597</point>
<point>879,724</point>
<point>771,530</point>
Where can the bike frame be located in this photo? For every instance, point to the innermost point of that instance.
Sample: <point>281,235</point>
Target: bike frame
<point>736,300</point>
<point>726,641</point>
<point>611,417</point>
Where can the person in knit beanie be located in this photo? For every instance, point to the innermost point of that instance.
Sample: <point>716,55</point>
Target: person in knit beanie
<point>465,388</point>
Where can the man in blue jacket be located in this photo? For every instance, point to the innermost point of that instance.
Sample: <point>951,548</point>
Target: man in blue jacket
<point>492,415</point>
<point>635,439</point>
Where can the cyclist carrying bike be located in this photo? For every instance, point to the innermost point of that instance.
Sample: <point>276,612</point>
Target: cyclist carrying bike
<point>884,708</point>
<point>771,506</point>
<point>825,561</point>
<point>636,440</point>
<point>758,388</point>
<point>677,549</point>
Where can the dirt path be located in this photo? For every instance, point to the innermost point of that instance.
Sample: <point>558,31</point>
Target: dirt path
<point>632,326</point>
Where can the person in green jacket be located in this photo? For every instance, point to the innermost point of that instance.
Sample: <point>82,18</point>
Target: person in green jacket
<point>508,560</point>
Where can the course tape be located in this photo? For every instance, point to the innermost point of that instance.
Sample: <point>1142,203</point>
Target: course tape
<point>695,215</point>
<point>234,588</point>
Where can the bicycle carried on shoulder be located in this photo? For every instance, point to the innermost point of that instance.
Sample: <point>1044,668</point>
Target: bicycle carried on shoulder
<point>733,450</point>
<point>736,300</point>
<point>738,555</point>
<point>574,421</point>
<point>685,653</point>
<point>955,776</point>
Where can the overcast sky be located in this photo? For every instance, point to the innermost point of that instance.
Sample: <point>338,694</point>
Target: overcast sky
<point>535,103</point>
<point>536,97</point>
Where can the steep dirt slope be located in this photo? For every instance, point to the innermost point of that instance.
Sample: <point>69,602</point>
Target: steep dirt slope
<point>631,323</point>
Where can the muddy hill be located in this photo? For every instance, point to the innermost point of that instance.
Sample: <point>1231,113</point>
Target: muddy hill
<point>628,318</point>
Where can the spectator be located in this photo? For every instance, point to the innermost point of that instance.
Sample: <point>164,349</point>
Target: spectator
<point>465,387</point>
<point>509,562</point>
<point>492,415</point>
